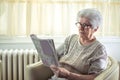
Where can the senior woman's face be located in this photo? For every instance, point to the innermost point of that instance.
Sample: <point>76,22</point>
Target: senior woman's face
<point>85,28</point>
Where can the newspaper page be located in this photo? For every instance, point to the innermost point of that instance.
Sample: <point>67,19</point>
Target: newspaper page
<point>46,50</point>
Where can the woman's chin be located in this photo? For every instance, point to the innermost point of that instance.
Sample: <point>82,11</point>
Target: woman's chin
<point>81,33</point>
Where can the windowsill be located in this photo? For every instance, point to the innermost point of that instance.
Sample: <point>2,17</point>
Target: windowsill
<point>57,39</point>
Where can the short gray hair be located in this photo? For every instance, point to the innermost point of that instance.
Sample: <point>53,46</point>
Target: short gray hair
<point>94,16</point>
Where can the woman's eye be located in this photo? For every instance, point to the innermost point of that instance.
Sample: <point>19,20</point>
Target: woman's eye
<point>84,24</point>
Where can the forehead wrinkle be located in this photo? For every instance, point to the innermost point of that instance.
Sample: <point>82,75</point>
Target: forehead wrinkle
<point>84,21</point>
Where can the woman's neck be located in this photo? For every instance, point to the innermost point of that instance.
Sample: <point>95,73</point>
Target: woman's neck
<point>86,41</point>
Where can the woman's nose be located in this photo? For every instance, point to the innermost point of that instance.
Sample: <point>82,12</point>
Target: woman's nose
<point>81,28</point>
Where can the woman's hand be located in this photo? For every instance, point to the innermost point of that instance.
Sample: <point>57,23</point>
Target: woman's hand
<point>60,72</point>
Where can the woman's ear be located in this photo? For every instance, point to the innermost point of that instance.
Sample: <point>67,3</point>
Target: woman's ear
<point>96,29</point>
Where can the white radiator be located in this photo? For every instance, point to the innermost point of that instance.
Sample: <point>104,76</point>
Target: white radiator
<point>15,61</point>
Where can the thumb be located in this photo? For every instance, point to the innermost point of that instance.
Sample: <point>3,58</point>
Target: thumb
<point>57,73</point>
<point>54,68</point>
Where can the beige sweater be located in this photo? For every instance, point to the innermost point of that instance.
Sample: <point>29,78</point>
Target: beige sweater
<point>87,59</point>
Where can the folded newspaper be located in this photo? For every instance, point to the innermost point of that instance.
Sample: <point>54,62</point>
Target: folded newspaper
<point>46,50</point>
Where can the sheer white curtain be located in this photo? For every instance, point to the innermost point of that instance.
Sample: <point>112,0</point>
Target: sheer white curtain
<point>54,17</point>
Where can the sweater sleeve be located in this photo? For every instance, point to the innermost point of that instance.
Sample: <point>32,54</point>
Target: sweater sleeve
<point>63,48</point>
<point>99,61</point>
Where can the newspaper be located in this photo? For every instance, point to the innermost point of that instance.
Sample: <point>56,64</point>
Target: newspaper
<point>46,50</point>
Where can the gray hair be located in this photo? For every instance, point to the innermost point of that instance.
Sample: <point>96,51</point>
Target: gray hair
<point>94,16</point>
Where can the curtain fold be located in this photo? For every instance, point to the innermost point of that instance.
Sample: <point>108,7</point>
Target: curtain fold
<point>54,17</point>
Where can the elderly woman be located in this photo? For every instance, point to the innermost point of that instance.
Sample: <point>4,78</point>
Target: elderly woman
<point>82,56</point>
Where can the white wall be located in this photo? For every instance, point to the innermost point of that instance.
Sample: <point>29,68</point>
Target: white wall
<point>112,44</point>
<point>113,49</point>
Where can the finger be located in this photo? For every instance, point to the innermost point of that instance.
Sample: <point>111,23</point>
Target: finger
<point>52,66</point>
<point>57,73</point>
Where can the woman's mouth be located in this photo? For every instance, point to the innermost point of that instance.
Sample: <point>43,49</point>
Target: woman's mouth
<point>82,32</point>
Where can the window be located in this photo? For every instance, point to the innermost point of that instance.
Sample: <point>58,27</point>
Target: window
<point>54,17</point>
